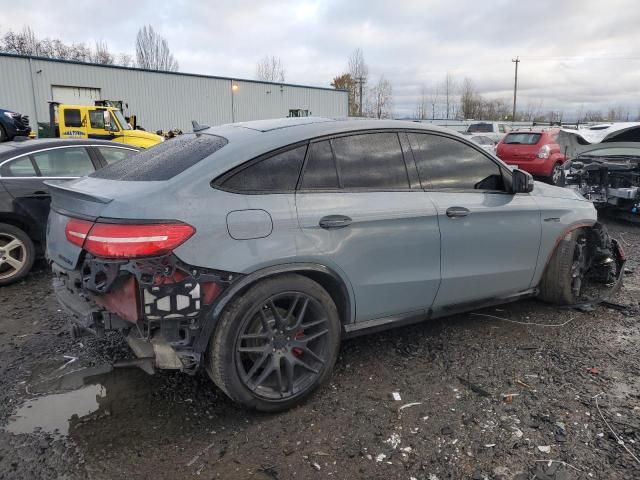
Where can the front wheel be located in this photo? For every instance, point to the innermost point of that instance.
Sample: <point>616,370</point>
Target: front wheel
<point>17,254</point>
<point>563,278</point>
<point>3,135</point>
<point>275,344</point>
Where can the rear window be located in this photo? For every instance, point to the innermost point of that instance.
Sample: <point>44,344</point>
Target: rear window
<point>524,138</point>
<point>480,128</point>
<point>164,161</point>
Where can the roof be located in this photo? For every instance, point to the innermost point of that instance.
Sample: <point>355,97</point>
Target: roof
<point>12,148</point>
<point>277,123</point>
<point>74,62</point>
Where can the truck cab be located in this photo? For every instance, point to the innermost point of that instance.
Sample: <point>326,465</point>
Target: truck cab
<point>97,122</point>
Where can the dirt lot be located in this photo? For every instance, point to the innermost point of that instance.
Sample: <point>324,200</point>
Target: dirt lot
<point>481,397</point>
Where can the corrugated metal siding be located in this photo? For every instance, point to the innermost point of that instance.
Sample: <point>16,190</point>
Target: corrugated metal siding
<point>15,86</point>
<point>161,100</point>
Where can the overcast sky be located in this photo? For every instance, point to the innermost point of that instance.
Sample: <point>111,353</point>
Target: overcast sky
<point>576,55</point>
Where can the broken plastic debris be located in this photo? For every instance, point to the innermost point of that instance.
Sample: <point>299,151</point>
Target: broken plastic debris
<point>394,440</point>
<point>408,405</point>
<point>490,445</point>
<point>315,466</point>
<point>593,371</point>
<point>396,396</point>
<point>544,448</point>
<point>380,457</point>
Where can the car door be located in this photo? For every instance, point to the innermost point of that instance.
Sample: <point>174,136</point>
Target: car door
<point>357,210</point>
<point>24,177</point>
<point>489,237</point>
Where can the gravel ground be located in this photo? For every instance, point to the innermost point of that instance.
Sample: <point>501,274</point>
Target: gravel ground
<point>480,397</point>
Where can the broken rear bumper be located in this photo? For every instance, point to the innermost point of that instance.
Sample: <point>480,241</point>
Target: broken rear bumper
<point>159,304</point>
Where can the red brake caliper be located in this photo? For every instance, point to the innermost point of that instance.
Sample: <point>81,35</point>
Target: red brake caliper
<point>297,351</point>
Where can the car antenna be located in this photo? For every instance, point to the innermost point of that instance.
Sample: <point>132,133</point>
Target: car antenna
<point>197,127</point>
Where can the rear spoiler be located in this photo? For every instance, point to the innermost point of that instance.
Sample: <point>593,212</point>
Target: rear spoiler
<point>71,202</point>
<point>59,190</point>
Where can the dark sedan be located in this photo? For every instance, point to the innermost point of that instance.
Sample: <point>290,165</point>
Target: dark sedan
<point>24,198</point>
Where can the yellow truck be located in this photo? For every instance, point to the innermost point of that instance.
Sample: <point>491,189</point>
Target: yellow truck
<point>92,121</point>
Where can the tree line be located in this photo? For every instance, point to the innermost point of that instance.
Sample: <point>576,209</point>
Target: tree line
<point>152,50</point>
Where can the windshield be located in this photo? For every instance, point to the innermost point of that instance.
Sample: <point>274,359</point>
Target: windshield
<point>121,120</point>
<point>613,152</point>
<point>522,138</point>
<point>480,127</point>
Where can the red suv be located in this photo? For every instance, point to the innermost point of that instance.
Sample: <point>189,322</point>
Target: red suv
<point>534,151</point>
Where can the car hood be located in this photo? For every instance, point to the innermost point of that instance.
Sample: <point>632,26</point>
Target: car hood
<point>142,134</point>
<point>541,189</point>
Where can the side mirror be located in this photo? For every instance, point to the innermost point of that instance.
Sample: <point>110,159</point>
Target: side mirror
<point>521,181</point>
<point>107,119</point>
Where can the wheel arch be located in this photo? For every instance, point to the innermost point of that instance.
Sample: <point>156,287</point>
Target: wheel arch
<point>326,277</point>
<point>559,238</point>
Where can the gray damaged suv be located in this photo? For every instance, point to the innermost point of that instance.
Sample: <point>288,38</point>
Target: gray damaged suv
<point>252,249</point>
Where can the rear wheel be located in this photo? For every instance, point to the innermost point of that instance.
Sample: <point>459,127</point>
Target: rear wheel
<point>275,344</point>
<point>3,134</point>
<point>563,279</point>
<point>17,254</point>
<point>557,175</point>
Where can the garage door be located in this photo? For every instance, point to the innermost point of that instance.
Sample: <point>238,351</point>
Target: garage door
<point>75,95</point>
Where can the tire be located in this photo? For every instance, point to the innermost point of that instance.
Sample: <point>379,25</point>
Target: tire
<point>270,368</point>
<point>3,135</point>
<point>557,175</point>
<point>561,281</point>
<point>17,260</point>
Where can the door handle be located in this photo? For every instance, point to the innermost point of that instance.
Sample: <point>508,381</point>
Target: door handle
<point>335,221</point>
<point>39,194</point>
<point>457,212</point>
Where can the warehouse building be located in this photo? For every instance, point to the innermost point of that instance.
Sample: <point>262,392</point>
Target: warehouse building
<point>160,100</point>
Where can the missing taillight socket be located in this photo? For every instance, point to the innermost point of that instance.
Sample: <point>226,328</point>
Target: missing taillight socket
<point>114,240</point>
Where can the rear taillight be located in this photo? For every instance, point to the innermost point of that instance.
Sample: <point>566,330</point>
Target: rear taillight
<point>115,240</point>
<point>544,151</point>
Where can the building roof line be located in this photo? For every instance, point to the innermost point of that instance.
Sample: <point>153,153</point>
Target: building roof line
<point>198,75</point>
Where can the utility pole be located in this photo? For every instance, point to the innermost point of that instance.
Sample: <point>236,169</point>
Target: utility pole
<point>515,88</point>
<point>360,80</point>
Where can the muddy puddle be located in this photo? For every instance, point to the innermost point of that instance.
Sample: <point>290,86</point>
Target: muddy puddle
<point>67,399</point>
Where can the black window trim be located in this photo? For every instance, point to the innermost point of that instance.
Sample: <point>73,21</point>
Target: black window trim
<point>218,182</point>
<point>505,172</point>
<point>341,188</point>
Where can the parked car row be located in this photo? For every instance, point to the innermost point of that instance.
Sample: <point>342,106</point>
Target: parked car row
<point>252,249</point>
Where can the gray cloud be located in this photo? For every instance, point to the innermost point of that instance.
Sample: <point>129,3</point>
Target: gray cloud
<point>575,54</point>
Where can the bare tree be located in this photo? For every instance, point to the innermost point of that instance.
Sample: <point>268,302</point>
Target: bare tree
<point>102,55</point>
<point>422,106</point>
<point>359,71</point>
<point>152,51</point>
<point>125,60</point>
<point>448,88</point>
<point>26,43</point>
<point>434,98</point>
<point>270,69</point>
<point>381,99</point>
<point>471,102</point>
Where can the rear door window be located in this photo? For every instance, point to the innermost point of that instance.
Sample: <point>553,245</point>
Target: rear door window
<point>522,138</point>
<point>447,163</point>
<point>114,154</point>
<point>371,161</point>
<point>20,167</point>
<point>64,162</point>
<point>277,173</point>
<point>96,119</point>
